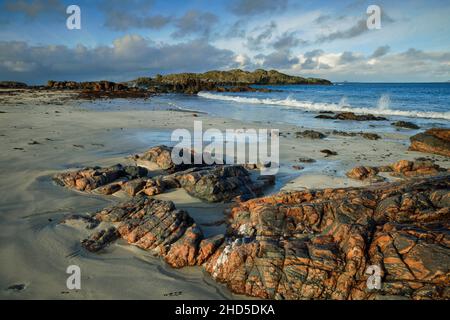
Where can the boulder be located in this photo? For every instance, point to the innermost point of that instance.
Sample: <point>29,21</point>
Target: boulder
<point>352,116</point>
<point>311,134</point>
<point>405,124</point>
<point>328,152</point>
<point>362,173</point>
<point>370,136</point>
<point>158,226</point>
<point>219,183</point>
<point>162,157</point>
<point>432,141</point>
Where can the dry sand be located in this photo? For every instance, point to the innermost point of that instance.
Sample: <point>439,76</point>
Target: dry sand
<point>42,133</point>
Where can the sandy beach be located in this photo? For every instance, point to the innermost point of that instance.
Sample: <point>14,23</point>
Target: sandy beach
<point>46,132</point>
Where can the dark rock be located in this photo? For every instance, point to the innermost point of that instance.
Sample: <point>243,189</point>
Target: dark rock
<point>160,155</point>
<point>311,134</point>
<point>192,83</point>
<point>158,226</point>
<point>306,160</point>
<point>100,239</point>
<point>328,152</point>
<point>352,116</point>
<point>319,244</point>
<point>109,188</point>
<point>326,112</point>
<point>12,85</point>
<point>405,124</point>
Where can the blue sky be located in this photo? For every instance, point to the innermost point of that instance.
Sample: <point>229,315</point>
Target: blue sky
<point>121,40</point>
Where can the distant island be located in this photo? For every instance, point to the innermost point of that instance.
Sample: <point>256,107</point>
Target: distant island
<point>211,80</point>
<point>235,80</point>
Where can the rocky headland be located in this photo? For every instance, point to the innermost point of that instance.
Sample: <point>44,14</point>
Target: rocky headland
<point>187,83</point>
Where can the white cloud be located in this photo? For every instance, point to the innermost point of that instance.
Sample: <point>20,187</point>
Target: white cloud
<point>128,57</point>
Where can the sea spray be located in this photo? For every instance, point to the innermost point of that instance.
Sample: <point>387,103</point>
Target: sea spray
<point>384,102</point>
<point>343,102</point>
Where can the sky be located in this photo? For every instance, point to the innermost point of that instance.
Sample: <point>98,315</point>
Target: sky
<point>122,40</point>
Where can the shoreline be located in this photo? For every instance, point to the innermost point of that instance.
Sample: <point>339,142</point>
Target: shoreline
<point>56,135</point>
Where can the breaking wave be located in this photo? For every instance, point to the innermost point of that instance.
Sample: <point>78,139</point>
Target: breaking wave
<point>289,102</point>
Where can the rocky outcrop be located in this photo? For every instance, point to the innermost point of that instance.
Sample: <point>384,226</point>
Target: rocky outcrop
<point>319,244</point>
<point>214,183</point>
<point>363,173</point>
<point>99,89</point>
<point>351,116</point>
<point>100,239</point>
<point>432,141</point>
<point>159,155</point>
<point>402,169</point>
<point>93,85</point>
<point>310,134</point>
<point>218,183</point>
<point>365,135</point>
<point>239,80</point>
<point>312,244</point>
<point>405,124</point>
<point>89,179</point>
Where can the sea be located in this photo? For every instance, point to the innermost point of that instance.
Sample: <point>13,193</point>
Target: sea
<point>425,104</point>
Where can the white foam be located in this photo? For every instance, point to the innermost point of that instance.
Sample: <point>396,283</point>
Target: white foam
<point>289,102</point>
